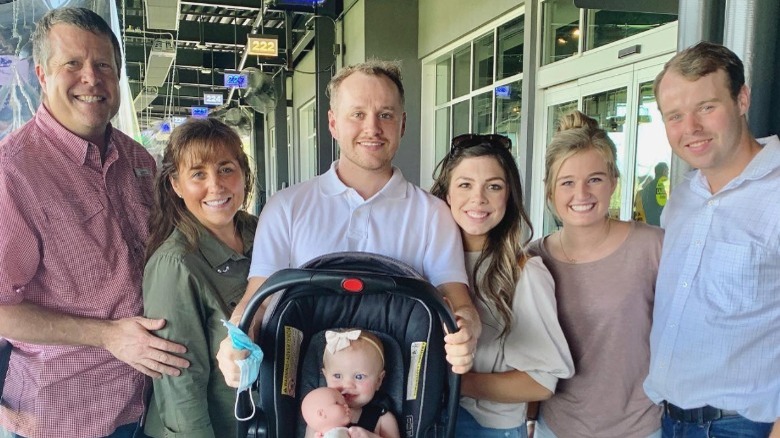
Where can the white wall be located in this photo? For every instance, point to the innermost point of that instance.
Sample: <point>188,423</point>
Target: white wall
<point>444,21</point>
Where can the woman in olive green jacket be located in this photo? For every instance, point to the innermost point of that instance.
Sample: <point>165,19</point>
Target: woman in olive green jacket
<point>198,259</point>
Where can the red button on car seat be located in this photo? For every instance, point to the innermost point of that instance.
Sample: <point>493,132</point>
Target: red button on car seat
<point>352,284</point>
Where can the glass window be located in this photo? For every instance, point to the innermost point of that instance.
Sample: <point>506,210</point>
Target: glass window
<point>554,113</point>
<point>605,27</point>
<point>483,61</point>
<point>482,105</point>
<point>510,49</point>
<point>466,97</point>
<point>443,81</point>
<point>560,31</point>
<point>653,157</point>
<point>442,133</point>
<point>609,109</point>
<point>508,102</point>
<point>460,118</point>
<point>462,71</point>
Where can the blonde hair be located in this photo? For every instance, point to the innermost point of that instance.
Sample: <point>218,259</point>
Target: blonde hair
<point>576,133</point>
<point>372,67</point>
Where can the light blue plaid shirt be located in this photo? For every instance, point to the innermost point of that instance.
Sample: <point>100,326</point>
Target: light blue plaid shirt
<point>716,324</point>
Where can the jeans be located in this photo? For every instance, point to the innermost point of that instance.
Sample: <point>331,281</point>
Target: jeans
<point>543,431</point>
<point>467,427</point>
<point>132,430</point>
<point>726,427</point>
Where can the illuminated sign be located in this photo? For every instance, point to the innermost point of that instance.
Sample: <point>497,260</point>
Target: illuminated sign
<point>213,99</point>
<point>263,45</point>
<point>503,92</point>
<point>235,80</point>
<point>199,112</point>
<point>178,120</point>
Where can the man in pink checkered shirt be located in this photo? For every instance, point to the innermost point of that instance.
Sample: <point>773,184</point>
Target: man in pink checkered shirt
<point>75,196</point>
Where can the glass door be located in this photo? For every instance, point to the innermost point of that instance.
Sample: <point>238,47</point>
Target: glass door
<point>653,158</point>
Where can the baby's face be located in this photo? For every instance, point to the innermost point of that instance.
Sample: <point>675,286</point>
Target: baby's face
<point>355,372</point>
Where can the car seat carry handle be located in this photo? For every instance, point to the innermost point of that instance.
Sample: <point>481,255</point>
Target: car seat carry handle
<point>334,282</point>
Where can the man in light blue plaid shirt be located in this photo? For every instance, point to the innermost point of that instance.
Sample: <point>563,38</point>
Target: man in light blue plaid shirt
<point>715,341</point>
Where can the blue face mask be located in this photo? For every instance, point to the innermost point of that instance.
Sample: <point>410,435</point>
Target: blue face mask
<point>249,367</point>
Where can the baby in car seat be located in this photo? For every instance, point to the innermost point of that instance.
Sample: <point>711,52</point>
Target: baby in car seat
<point>354,365</point>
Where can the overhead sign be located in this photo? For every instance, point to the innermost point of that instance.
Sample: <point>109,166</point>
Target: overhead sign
<point>213,99</point>
<point>199,112</point>
<point>263,45</point>
<point>235,80</point>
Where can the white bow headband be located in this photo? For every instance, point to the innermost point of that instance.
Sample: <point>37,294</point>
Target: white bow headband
<point>337,341</point>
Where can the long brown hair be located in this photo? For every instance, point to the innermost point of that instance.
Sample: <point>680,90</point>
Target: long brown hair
<point>504,246</point>
<point>196,139</point>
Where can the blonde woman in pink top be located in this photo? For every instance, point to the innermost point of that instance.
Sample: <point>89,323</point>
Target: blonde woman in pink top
<point>604,271</point>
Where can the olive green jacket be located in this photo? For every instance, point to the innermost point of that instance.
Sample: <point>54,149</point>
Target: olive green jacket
<point>193,291</point>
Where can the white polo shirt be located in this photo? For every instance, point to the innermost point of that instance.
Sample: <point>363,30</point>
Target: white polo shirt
<point>322,215</point>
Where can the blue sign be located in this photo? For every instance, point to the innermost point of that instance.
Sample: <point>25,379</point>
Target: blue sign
<point>165,127</point>
<point>503,92</point>
<point>235,80</point>
<point>199,112</point>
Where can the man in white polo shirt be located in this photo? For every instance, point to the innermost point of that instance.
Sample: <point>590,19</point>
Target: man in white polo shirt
<point>363,203</point>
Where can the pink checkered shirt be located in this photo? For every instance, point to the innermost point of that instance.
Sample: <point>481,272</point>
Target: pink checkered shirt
<point>72,238</point>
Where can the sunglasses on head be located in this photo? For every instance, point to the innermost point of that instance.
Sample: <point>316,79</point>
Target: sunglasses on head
<point>465,141</point>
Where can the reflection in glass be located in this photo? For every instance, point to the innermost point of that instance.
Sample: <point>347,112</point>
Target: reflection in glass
<point>508,111</point>
<point>483,113</point>
<point>653,156</point>
<point>460,118</point>
<point>483,61</point>
<point>462,71</point>
<point>560,31</point>
<point>443,81</point>
<point>554,112</point>
<point>510,49</point>
<point>609,109</point>
<point>442,133</point>
<point>605,27</point>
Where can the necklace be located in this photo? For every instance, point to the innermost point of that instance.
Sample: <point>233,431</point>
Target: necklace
<point>573,260</point>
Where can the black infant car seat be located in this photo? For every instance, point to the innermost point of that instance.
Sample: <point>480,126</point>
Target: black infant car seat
<point>359,290</point>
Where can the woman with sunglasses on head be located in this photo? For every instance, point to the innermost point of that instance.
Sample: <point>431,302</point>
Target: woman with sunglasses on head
<point>604,271</point>
<point>521,352</point>
<point>198,259</point>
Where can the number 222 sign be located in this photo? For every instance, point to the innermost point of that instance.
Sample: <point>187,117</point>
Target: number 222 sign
<point>263,45</point>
